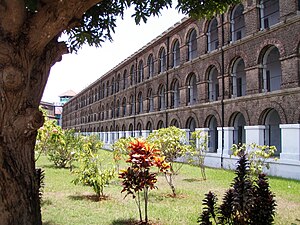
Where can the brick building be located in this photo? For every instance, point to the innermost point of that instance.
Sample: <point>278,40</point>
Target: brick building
<point>235,75</point>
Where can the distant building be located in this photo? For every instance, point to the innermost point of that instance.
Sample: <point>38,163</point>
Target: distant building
<point>54,110</point>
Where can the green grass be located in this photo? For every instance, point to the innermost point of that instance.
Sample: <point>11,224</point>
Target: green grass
<point>67,204</point>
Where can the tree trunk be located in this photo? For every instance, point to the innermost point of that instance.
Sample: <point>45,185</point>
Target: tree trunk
<point>22,82</point>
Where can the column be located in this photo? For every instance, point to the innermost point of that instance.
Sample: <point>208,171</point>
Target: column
<point>290,142</point>
<point>121,134</point>
<point>127,133</point>
<point>145,133</point>
<point>255,134</point>
<point>228,140</point>
<point>203,138</point>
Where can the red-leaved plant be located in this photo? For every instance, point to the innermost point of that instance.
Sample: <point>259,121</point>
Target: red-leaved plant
<point>137,178</point>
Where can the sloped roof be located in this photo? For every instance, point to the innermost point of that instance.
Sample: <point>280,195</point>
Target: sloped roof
<point>69,93</point>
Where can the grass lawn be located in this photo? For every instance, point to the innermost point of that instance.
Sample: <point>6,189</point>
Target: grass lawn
<point>67,204</point>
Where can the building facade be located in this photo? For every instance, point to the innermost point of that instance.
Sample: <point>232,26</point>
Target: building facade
<point>235,76</point>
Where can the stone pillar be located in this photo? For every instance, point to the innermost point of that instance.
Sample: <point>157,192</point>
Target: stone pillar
<point>187,136</point>
<point>137,133</point>
<point>255,134</point>
<point>109,139</point>
<point>121,134</point>
<point>228,140</point>
<point>290,142</point>
<point>145,133</point>
<point>127,133</point>
<point>203,137</point>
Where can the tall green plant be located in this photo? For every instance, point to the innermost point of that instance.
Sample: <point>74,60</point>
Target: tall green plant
<point>120,150</point>
<point>92,171</point>
<point>139,178</point>
<point>172,143</point>
<point>248,201</point>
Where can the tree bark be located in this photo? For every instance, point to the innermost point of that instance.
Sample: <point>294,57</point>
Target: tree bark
<point>21,86</point>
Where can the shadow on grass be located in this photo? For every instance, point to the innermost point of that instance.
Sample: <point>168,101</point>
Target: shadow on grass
<point>46,202</point>
<point>193,180</point>
<point>49,223</point>
<point>132,222</point>
<point>93,198</point>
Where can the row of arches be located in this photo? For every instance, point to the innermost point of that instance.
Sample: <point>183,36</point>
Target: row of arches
<point>269,14</point>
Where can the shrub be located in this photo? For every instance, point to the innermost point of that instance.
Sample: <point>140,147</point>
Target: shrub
<point>248,201</point>
<point>138,178</point>
<point>120,149</point>
<point>172,143</point>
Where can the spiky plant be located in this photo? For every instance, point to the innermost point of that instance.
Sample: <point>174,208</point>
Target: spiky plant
<point>209,209</point>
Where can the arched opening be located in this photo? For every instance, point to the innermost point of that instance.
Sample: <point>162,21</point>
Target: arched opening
<point>140,77</point>
<point>124,79</point>
<point>212,35</point>
<point>192,45</point>
<point>213,85</point>
<point>212,134</point>
<point>150,105</point>
<point>238,79</point>
<point>272,130</point>
<point>140,103</point>
<point>132,75</point>
<point>118,83</point>
<point>239,122</point>
<point>139,129</point>
<point>269,13</point>
<point>131,130</point>
<point>150,66</point>
<point>175,94</point>
<point>161,100</point>
<point>118,109</point>
<point>149,127</point>
<point>124,107</point>
<point>191,89</point>
<point>237,23</point>
<point>160,125</point>
<point>174,123</point>
<point>271,70</point>
<point>132,105</point>
<point>176,54</point>
<point>162,60</point>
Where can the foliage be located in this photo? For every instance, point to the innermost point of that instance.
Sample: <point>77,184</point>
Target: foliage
<point>98,23</point>
<point>120,149</point>
<point>137,177</point>
<point>248,201</point>
<point>257,156</point>
<point>91,172</point>
<point>172,143</point>
<point>199,143</point>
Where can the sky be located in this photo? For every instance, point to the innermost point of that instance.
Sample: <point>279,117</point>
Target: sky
<point>76,71</point>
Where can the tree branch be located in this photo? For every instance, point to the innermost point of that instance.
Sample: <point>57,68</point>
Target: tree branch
<point>12,16</point>
<point>52,19</point>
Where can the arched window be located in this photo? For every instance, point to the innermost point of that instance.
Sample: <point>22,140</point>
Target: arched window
<point>269,13</point>
<point>176,54</point>
<point>160,125</point>
<point>118,83</point>
<point>174,123</point>
<point>117,132</point>
<point>107,111</point>
<point>124,79</point>
<point>118,109</point>
<point>150,105</point>
<point>139,128</point>
<point>112,110</point>
<point>140,72</point>
<point>124,107</point>
<point>270,78</point>
<point>150,65</point>
<point>191,89</point>
<point>213,85</point>
<point>132,105</point>
<point>239,136</point>
<point>107,88</point>
<point>149,126</point>
<point>132,75</point>
<point>131,130</point>
<point>237,23</point>
<point>113,86</point>
<point>161,100</point>
<point>103,90</point>
<point>272,130</point>
<point>192,45</point>
<point>162,60</point>
<point>191,126</point>
<point>140,103</point>
<point>212,135</point>
<point>175,94</point>
<point>212,35</point>
<point>238,81</point>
